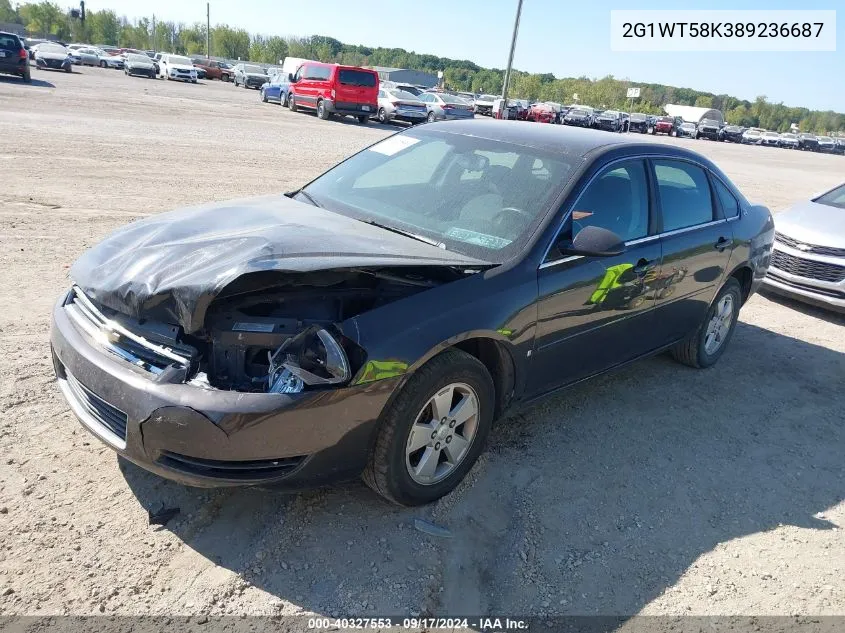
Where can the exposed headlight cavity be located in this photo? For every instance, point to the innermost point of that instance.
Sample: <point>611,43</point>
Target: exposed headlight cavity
<point>313,357</point>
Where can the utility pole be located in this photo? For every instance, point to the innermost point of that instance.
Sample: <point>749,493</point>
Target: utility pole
<point>207,30</point>
<point>510,57</point>
<point>155,43</point>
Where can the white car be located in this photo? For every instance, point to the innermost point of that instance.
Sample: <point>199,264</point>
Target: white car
<point>177,67</point>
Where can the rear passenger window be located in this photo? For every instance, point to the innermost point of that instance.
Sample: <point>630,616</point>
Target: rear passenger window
<point>729,204</point>
<point>684,194</point>
<point>9,43</point>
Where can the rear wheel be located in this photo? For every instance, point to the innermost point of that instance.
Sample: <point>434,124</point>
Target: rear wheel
<point>322,111</point>
<point>363,119</point>
<point>433,431</point>
<point>286,101</point>
<point>711,338</point>
<point>431,118</point>
<point>27,76</point>
<point>382,116</point>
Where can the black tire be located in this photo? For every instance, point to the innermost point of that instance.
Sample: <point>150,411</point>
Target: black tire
<point>363,119</point>
<point>69,69</point>
<point>263,96</point>
<point>691,352</point>
<point>103,65</point>
<point>27,76</point>
<point>292,102</point>
<point>322,112</point>
<point>431,118</point>
<point>382,116</point>
<point>245,85</point>
<point>386,472</point>
<point>286,102</point>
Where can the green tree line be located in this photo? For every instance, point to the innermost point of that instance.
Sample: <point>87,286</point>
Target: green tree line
<point>106,27</point>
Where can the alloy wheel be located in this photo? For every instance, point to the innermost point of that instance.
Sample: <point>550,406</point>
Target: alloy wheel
<point>442,434</point>
<point>720,325</point>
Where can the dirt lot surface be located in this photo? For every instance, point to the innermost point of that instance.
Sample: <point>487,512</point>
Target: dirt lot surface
<point>658,489</point>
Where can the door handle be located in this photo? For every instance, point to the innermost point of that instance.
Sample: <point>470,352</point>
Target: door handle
<point>643,266</point>
<point>721,244</point>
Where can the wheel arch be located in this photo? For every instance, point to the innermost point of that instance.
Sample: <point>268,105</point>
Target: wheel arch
<point>492,350</point>
<point>744,275</point>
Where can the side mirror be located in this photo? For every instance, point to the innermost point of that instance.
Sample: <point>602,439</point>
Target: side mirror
<point>593,241</point>
<point>290,77</point>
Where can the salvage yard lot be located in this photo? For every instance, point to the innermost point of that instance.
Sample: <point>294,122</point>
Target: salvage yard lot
<point>657,489</point>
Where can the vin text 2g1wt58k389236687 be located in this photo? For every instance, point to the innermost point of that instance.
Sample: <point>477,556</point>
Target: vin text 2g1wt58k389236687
<point>378,320</point>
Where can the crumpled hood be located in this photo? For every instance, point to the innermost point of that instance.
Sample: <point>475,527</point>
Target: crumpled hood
<point>813,223</point>
<point>174,264</point>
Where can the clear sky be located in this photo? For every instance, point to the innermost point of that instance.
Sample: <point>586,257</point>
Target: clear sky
<point>569,38</point>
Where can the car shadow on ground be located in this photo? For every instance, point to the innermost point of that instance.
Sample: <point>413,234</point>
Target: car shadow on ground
<point>35,82</point>
<point>581,504</point>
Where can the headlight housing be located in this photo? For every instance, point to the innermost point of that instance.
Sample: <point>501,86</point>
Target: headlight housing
<point>313,357</point>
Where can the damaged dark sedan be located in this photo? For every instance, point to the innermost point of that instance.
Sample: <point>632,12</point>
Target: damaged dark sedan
<point>378,320</point>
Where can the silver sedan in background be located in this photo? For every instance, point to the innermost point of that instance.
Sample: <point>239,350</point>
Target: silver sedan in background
<point>442,107</point>
<point>808,260</point>
<point>398,105</point>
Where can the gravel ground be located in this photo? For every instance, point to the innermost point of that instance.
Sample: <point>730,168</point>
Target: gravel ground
<point>655,490</point>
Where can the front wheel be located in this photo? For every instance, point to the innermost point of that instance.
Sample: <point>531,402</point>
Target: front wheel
<point>709,341</point>
<point>433,431</point>
<point>292,102</point>
<point>103,64</point>
<point>263,96</point>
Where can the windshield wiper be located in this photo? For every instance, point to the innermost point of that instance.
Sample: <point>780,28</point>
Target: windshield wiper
<point>309,197</point>
<point>413,236</point>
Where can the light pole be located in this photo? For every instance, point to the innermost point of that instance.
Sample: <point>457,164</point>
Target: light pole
<point>510,56</point>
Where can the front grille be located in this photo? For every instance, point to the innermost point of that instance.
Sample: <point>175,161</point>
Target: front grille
<point>107,415</point>
<point>252,470</point>
<point>809,248</point>
<point>53,63</point>
<point>117,340</point>
<point>807,268</point>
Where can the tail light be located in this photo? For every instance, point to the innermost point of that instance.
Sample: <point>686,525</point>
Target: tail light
<point>448,107</point>
<point>394,103</point>
<point>23,54</point>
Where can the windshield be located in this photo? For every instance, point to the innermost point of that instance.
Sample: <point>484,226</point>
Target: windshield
<point>401,94</point>
<point>478,197</point>
<point>610,114</point>
<point>255,70</point>
<point>638,117</point>
<point>789,136</point>
<point>753,133</point>
<point>579,112</point>
<point>826,139</point>
<point>143,59</point>
<point>835,198</point>
<point>687,126</point>
<point>451,99</point>
<point>51,48</point>
<point>179,61</point>
<point>771,134</point>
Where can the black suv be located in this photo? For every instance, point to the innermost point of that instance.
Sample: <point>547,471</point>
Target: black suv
<point>809,142</point>
<point>14,59</point>
<point>733,133</point>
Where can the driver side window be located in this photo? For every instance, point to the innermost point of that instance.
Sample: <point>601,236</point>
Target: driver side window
<point>617,200</point>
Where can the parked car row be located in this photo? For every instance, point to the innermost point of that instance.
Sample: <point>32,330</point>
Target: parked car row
<point>334,89</point>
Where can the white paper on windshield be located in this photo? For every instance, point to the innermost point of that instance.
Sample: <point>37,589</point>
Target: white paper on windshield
<point>394,144</point>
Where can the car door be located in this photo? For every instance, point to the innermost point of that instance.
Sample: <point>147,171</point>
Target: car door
<point>596,312</point>
<point>697,242</point>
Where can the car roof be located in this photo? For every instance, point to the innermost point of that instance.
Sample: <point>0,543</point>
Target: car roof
<point>563,139</point>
